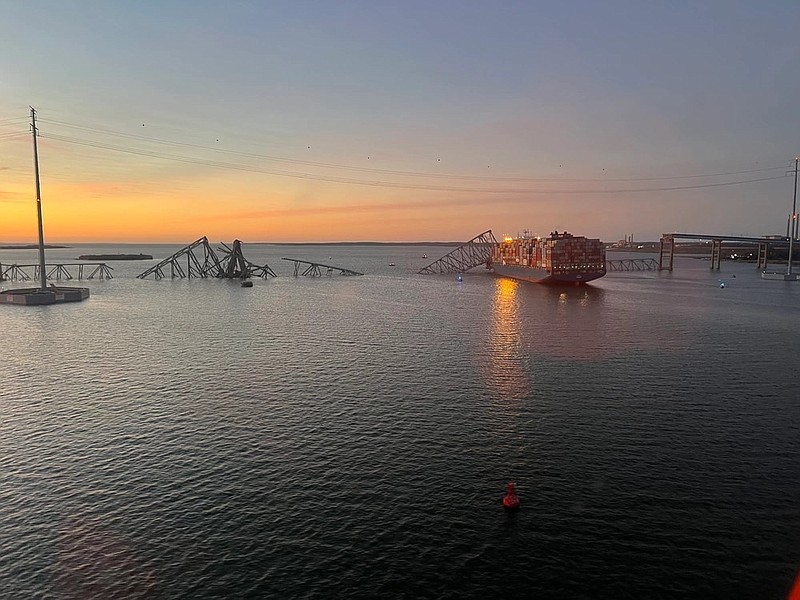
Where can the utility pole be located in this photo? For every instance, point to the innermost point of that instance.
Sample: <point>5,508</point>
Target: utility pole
<point>793,228</point>
<point>794,202</point>
<point>42,273</point>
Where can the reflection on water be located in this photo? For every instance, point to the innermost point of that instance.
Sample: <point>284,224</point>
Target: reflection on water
<point>505,372</point>
<point>532,319</point>
<point>582,296</point>
<point>574,322</point>
<point>292,440</point>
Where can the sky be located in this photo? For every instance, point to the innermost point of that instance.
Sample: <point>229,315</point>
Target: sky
<point>298,121</point>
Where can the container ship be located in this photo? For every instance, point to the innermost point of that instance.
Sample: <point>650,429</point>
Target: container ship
<point>558,258</point>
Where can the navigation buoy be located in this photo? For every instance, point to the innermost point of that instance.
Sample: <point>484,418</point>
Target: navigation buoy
<point>511,500</point>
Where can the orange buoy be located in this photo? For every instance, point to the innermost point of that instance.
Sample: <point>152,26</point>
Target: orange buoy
<point>511,500</point>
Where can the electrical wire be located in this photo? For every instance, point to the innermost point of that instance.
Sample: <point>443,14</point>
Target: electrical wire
<point>400,173</point>
<point>386,184</point>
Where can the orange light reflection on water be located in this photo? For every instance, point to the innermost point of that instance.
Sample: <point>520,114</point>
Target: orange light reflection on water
<point>505,371</point>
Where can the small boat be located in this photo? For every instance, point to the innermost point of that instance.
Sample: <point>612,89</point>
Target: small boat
<point>424,256</point>
<point>247,283</point>
<point>391,264</point>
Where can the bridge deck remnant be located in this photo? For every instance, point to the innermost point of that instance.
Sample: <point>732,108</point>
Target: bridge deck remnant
<point>57,272</point>
<point>667,251</point>
<point>313,269</point>
<point>474,253</point>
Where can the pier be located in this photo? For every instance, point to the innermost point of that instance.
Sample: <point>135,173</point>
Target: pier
<point>315,269</point>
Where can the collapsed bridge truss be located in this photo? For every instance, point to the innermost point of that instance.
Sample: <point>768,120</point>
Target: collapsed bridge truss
<point>198,259</point>
<point>474,253</point>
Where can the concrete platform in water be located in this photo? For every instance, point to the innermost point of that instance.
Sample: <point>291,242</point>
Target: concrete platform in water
<point>780,276</point>
<point>38,296</point>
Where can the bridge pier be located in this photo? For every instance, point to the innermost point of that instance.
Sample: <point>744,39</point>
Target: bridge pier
<point>668,251</point>
<point>666,256</point>
<point>762,256</point>
<point>716,254</point>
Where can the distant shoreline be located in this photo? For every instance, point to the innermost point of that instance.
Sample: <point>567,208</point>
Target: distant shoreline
<point>29,246</point>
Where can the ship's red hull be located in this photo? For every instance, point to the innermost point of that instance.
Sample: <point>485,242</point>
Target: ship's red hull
<point>535,275</point>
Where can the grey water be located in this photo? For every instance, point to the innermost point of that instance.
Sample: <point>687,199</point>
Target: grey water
<point>351,437</point>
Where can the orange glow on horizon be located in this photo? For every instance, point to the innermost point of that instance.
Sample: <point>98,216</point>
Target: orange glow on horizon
<point>150,202</point>
<point>130,211</point>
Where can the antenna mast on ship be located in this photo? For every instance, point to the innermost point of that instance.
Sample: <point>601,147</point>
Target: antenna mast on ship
<point>42,273</point>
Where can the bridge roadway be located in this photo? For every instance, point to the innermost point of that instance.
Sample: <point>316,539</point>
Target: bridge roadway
<point>667,251</point>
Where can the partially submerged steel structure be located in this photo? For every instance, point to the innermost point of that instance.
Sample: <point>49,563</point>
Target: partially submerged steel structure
<point>314,269</point>
<point>58,272</point>
<point>474,253</point>
<point>198,259</point>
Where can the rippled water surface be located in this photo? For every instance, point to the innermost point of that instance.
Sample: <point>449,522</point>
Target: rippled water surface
<point>351,437</point>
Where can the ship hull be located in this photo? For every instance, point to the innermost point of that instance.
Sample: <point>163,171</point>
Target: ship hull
<point>535,275</point>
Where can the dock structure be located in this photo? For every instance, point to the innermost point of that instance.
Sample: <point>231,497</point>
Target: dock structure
<point>632,264</point>
<point>198,259</point>
<point>474,253</point>
<point>315,269</point>
<point>56,272</point>
<point>667,250</point>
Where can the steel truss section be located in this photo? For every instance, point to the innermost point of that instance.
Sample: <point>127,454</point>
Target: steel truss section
<point>57,272</point>
<point>237,266</point>
<point>474,253</point>
<point>313,269</point>
<point>633,264</point>
<point>198,259</point>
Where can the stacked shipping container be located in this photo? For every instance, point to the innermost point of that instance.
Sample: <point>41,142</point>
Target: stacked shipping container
<point>559,257</point>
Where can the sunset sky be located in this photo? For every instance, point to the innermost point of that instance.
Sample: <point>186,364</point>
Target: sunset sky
<point>397,121</point>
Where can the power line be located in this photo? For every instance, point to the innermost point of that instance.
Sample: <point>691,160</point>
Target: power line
<point>9,120</point>
<point>387,184</point>
<point>401,173</point>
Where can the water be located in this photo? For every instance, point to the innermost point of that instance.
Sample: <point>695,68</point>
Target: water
<point>351,437</point>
